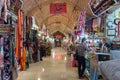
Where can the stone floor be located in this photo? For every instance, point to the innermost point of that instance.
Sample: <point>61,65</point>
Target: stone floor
<point>55,67</point>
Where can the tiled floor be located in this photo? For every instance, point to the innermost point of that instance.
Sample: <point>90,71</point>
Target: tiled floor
<point>56,67</point>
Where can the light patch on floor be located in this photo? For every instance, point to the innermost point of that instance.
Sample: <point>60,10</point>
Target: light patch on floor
<point>58,68</point>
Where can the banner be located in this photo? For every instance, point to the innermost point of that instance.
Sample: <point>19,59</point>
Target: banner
<point>81,20</point>
<point>57,8</point>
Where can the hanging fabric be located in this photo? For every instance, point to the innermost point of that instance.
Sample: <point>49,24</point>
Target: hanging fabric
<point>5,10</point>
<point>1,57</point>
<point>18,37</point>
<point>23,59</point>
<point>1,5</point>
<point>27,58</point>
<point>81,21</point>
<point>13,61</point>
<point>6,71</point>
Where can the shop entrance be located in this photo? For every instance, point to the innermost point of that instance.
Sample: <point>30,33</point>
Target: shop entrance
<point>58,38</point>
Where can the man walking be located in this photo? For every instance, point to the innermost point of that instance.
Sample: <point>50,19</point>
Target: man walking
<point>80,52</point>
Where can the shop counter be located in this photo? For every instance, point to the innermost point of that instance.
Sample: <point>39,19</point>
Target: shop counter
<point>115,54</point>
<point>93,64</point>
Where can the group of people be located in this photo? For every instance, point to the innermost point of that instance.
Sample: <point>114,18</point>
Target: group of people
<point>42,50</point>
<point>81,50</point>
<point>45,49</point>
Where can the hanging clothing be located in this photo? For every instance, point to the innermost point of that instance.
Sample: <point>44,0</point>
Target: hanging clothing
<point>18,37</point>
<point>27,58</point>
<point>30,54</point>
<point>1,57</point>
<point>6,71</point>
<point>5,10</point>
<point>23,60</point>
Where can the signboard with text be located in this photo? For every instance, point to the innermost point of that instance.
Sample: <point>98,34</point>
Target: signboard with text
<point>98,7</point>
<point>58,8</point>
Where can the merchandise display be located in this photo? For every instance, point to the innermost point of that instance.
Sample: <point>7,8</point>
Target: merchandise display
<point>7,57</point>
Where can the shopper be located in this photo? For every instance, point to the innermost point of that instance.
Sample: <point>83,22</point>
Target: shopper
<point>104,46</point>
<point>80,51</point>
<point>42,51</point>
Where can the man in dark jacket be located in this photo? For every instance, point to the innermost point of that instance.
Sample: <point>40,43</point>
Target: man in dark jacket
<point>80,51</point>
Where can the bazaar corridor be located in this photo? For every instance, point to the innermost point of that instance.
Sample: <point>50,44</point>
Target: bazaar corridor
<point>56,67</point>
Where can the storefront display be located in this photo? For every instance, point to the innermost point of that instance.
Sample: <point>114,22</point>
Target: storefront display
<point>7,57</point>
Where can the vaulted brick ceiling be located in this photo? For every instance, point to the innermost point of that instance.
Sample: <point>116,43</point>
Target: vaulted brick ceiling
<point>40,9</point>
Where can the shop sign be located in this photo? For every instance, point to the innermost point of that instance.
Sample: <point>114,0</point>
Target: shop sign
<point>111,32</point>
<point>58,36</point>
<point>98,7</point>
<point>118,29</point>
<point>57,8</point>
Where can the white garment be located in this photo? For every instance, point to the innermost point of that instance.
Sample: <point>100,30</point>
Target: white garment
<point>1,4</point>
<point>104,49</point>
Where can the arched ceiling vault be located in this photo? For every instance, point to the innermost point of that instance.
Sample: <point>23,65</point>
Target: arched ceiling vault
<point>40,10</point>
<point>54,27</point>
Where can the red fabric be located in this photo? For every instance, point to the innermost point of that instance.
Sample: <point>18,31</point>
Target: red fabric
<point>18,37</point>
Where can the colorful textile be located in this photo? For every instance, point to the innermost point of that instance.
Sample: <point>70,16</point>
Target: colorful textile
<point>1,57</point>
<point>23,59</point>
<point>6,71</point>
<point>18,37</point>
